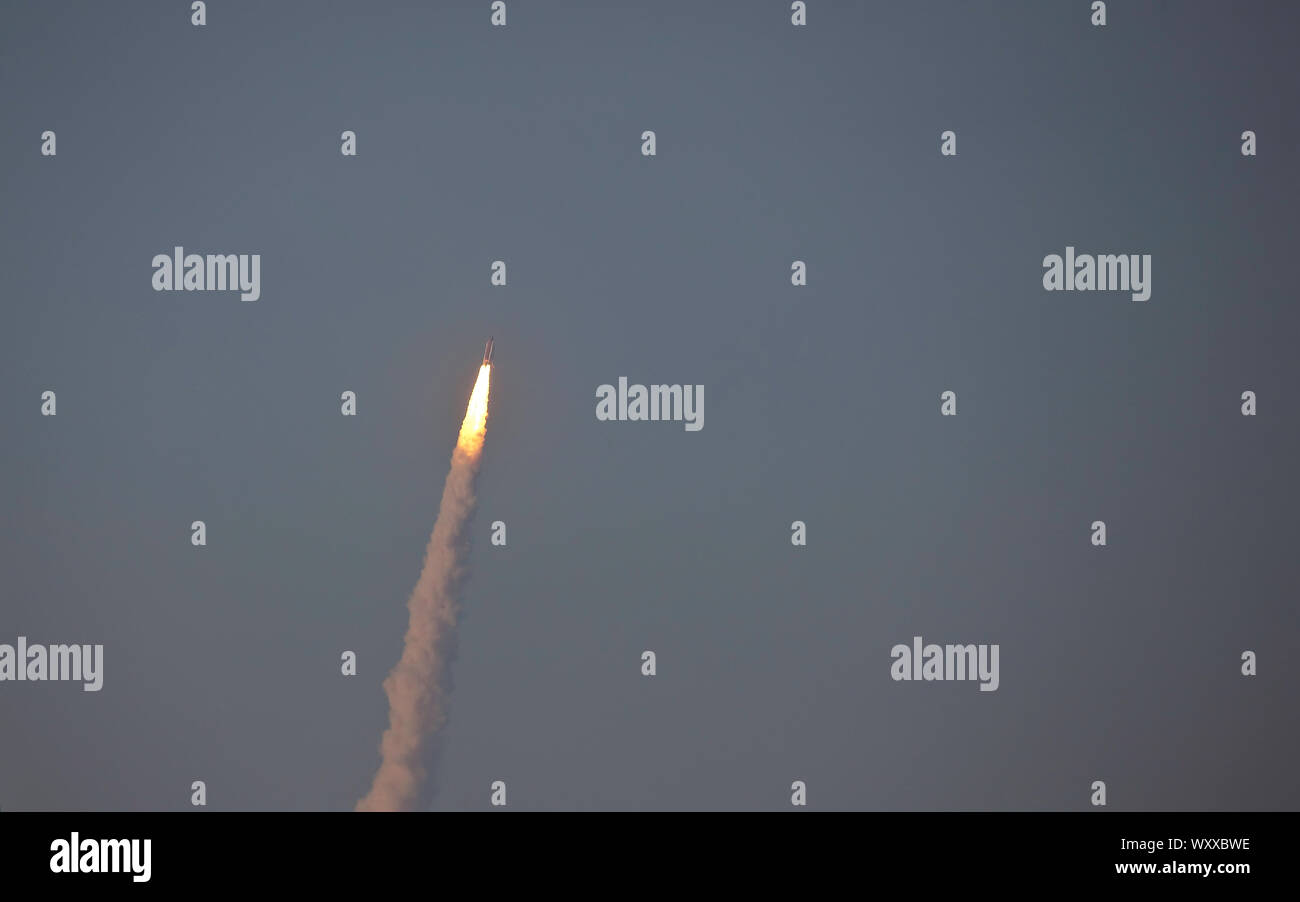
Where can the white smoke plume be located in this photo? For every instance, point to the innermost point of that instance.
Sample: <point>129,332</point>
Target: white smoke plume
<point>417,687</point>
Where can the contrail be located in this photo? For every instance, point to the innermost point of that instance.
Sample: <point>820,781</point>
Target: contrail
<point>417,686</point>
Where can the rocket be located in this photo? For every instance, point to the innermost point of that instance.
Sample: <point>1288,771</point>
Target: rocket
<point>487,353</point>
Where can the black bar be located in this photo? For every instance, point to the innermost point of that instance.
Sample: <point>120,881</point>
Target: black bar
<point>620,852</point>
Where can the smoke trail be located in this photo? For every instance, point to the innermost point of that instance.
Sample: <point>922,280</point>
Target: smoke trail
<point>417,686</point>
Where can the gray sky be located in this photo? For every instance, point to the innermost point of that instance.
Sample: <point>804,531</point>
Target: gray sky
<point>775,143</point>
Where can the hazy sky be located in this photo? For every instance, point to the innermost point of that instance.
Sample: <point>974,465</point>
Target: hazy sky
<point>821,403</point>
